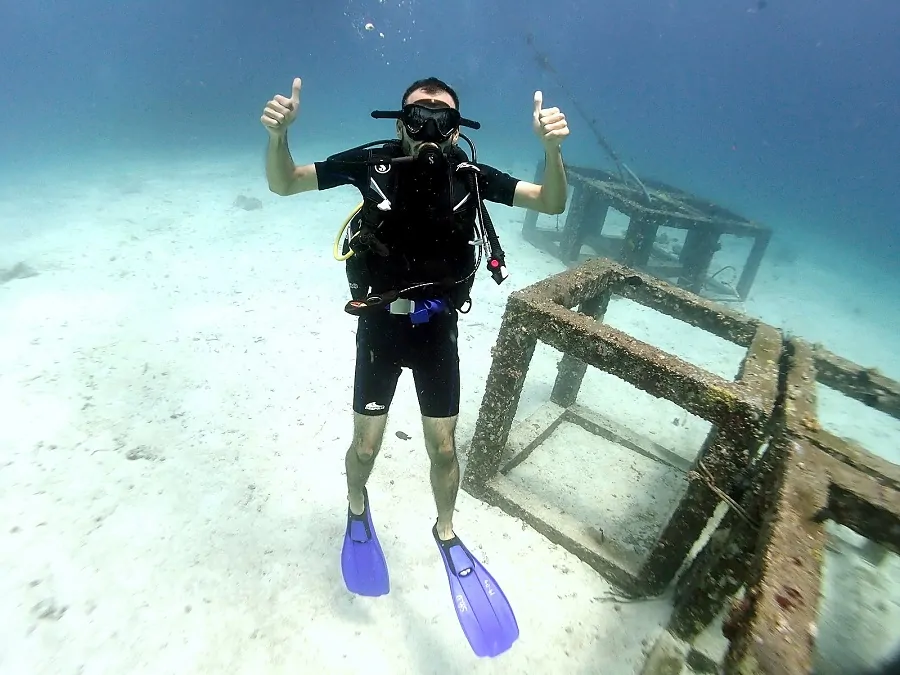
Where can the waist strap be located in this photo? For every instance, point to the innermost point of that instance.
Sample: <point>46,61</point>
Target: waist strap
<point>419,311</point>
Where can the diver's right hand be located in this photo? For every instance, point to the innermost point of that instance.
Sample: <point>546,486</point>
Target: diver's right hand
<point>281,111</point>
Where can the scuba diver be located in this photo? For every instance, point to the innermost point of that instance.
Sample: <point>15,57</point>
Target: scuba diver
<point>412,250</point>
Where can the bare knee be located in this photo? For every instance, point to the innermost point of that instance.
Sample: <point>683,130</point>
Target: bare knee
<point>442,453</point>
<point>368,432</point>
<point>439,439</point>
<point>365,452</point>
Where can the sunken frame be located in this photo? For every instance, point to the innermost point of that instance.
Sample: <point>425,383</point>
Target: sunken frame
<point>774,549</point>
<point>649,206</point>
<point>818,477</point>
<point>738,410</point>
<point>789,474</point>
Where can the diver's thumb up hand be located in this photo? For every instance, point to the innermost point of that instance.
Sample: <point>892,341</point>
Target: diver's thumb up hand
<point>549,123</point>
<point>281,111</point>
<point>536,116</point>
<point>295,93</point>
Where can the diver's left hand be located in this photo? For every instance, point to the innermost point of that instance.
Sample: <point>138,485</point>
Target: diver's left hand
<point>549,123</point>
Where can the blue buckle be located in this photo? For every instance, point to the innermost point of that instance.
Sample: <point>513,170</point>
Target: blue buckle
<point>425,309</point>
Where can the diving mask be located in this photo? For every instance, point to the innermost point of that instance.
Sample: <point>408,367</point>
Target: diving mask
<point>427,124</point>
<point>431,125</point>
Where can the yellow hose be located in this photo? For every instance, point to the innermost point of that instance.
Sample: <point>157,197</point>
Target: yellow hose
<point>336,252</point>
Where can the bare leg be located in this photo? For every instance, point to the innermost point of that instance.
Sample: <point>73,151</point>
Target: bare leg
<point>368,432</point>
<point>440,443</point>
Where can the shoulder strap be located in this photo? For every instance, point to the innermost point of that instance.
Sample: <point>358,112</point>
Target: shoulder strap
<point>381,177</point>
<point>351,155</point>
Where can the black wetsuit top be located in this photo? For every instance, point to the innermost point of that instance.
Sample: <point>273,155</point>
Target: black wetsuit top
<point>427,242</point>
<point>496,186</point>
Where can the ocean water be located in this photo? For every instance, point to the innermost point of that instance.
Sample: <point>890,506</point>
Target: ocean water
<point>176,369</point>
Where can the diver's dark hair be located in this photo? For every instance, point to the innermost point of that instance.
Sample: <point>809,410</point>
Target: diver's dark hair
<point>430,85</point>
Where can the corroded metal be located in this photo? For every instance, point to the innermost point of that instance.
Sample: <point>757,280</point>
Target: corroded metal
<point>767,455</point>
<point>738,410</point>
<point>811,364</point>
<point>866,385</point>
<point>775,628</point>
<point>776,548</point>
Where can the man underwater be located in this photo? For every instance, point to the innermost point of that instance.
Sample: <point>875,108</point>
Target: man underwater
<point>412,254</point>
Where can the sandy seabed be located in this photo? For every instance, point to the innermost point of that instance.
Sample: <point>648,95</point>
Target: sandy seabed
<point>175,384</point>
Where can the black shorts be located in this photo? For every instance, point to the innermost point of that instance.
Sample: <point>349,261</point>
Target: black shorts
<point>386,343</point>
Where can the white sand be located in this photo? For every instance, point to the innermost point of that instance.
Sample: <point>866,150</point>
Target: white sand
<point>175,407</point>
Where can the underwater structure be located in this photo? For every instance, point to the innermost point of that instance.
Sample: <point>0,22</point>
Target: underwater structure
<point>746,536</point>
<point>650,205</point>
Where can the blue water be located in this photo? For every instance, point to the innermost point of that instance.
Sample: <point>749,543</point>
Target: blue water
<point>786,111</point>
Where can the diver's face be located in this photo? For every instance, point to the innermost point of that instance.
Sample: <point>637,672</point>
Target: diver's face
<point>439,100</point>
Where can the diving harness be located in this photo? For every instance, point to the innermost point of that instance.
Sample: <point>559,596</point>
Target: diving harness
<point>486,240</point>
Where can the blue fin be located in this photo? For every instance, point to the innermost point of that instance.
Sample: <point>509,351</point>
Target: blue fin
<point>362,560</point>
<point>483,610</point>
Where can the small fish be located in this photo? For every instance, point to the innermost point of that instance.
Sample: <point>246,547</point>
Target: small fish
<point>403,436</point>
